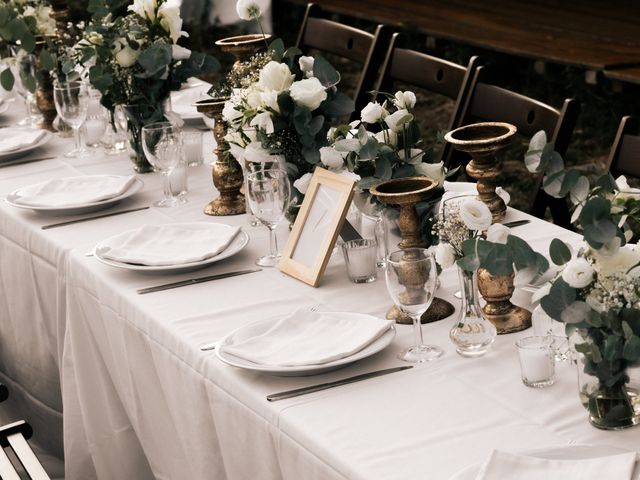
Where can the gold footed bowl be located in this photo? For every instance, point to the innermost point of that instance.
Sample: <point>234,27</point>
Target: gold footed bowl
<point>497,291</point>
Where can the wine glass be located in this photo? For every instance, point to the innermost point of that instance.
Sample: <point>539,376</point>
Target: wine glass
<point>24,73</point>
<point>162,144</point>
<point>72,101</point>
<point>411,277</point>
<point>268,197</point>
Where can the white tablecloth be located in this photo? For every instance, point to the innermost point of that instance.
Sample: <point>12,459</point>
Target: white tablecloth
<point>142,401</point>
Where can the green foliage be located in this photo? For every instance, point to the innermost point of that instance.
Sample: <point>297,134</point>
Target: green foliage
<point>559,252</point>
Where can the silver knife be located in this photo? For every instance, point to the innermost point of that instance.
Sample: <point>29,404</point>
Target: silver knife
<point>193,281</point>
<point>324,386</point>
<point>516,223</point>
<point>93,217</point>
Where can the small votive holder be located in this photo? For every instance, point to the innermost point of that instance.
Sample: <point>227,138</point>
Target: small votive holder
<point>192,144</point>
<point>360,258</point>
<point>537,361</point>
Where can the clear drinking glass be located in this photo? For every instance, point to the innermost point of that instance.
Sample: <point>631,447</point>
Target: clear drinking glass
<point>96,122</point>
<point>24,73</point>
<point>268,193</point>
<point>412,277</point>
<point>162,144</point>
<point>72,100</point>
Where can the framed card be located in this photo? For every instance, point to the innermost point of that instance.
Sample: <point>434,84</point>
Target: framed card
<point>317,226</point>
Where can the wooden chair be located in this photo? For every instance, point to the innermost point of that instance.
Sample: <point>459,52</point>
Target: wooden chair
<point>430,73</point>
<point>14,436</point>
<point>490,103</point>
<point>624,158</point>
<point>347,42</point>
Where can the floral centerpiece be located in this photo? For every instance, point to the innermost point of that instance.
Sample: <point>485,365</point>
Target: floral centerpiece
<point>284,113</point>
<point>21,23</point>
<point>135,62</point>
<point>597,290</point>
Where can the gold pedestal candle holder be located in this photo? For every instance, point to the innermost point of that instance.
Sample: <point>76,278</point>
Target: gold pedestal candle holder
<point>226,171</point>
<point>242,47</point>
<point>497,291</point>
<point>44,91</point>
<point>406,193</point>
<point>481,141</point>
<point>60,13</point>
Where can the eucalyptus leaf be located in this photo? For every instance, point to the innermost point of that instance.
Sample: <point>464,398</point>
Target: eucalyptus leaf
<point>560,296</point>
<point>7,79</point>
<point>559,251</point>
<point>631,351</point>
<point>325,72</point>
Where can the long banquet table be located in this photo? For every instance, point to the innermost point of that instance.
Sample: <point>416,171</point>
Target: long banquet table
<point>142,401</point>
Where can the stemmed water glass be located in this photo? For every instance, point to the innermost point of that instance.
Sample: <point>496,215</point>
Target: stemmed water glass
<point>162,144</point>
<point>24,73</point>
<point>411,277</point>
<point>268,197</point>
<point>72,101</point>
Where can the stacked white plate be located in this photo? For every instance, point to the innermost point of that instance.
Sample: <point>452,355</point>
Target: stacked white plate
<point>75,195</point>
<point>16,141</point>
<point>171,248</point>
<point>305,342</point>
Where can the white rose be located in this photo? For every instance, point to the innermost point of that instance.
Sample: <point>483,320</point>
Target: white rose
<point>275,76</point>
<point>405,99</point>
<point>253,97</point>
<point>434,171</point>
<point>504,195</point>
<point>230,114</point>
<point>170,20</point>
<point>475,214</point>
<point>251,9</point>
<point>306,65</point>
<point>498,233</point>
<point>237,152</point>
<point>270,100</point>
<point>308,93</point>
<point>626,191</point>
<point>179,53</point>
<point>622,261</point>
<point>331,158</point>
<point>373,113</point>
<point>263,121</point>
<point>255,153</point>
<point>144,8</point>
<point>127,56</point>
<point>445,255</point>
<point>398,119</point>
<point>414,155</point>
<point>387,136</point>
<point>578,273</point>
<point>302,184</point>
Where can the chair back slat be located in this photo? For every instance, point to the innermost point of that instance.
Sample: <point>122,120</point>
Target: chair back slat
<point>624,158</point>
<point>431,73</point>
<point>338,39</point>
<point>28,459</point>
<point>7,470</point>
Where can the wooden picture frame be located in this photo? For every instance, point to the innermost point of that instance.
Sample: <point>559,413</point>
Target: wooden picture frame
<point>317,226</point>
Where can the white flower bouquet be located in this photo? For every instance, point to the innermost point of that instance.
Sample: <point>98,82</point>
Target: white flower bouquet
<point>285,114</point>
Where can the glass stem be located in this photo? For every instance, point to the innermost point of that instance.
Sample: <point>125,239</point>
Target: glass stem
<point>417,330</point>
<point>168,195</point>
<point>28,100</point>
<point>273,242</point>
<point>76,136</point>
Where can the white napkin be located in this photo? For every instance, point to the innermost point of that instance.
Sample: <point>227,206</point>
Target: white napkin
<point>502,466</point>
<point>174,244</point>
<point>308,338</point>
<point>71,191</point>
<point>12,139</point>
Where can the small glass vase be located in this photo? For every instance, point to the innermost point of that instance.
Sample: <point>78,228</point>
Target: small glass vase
<point>139,115</point>
<point>472,334</point>
<point>610,408</point>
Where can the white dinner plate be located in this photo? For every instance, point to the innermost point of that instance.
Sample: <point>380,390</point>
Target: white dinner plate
<point>563,452</point>
<point>237,244</point>
<point>299,370</point>
<point>46,138</point>
<point>135,187</point>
